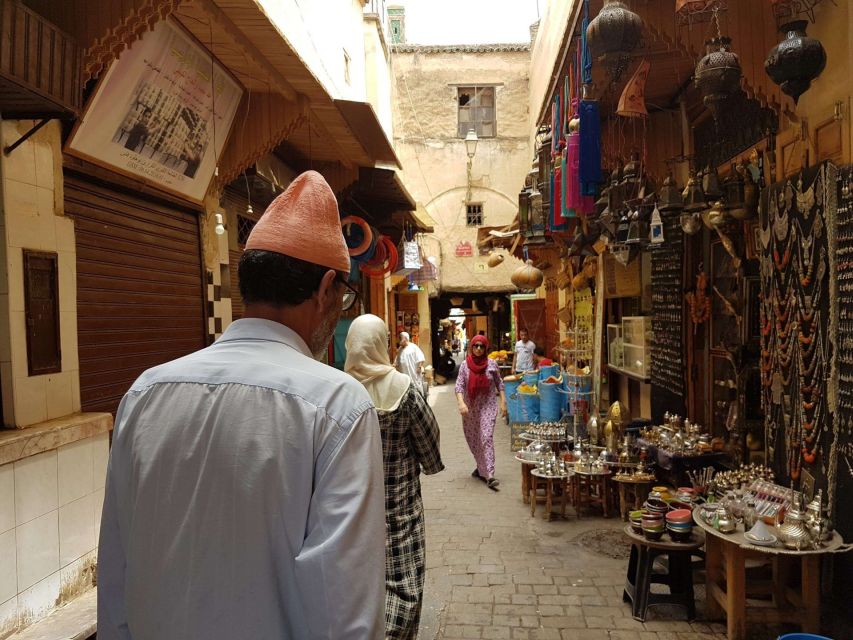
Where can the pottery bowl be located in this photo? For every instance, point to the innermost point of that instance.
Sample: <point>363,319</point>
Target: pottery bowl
<point>679,515</point>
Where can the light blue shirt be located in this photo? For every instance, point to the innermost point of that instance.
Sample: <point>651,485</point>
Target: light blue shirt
<point>244,499</point>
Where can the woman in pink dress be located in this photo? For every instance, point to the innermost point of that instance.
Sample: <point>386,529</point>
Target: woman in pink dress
<point>477,388</point>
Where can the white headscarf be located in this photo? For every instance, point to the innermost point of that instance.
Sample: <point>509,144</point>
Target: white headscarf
<point>367,361</point>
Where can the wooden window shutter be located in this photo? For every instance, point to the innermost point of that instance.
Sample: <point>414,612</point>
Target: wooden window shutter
<point>41,299</point>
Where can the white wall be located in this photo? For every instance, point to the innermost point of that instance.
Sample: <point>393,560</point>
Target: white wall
<point>377,64</point>
<point>320,31</point>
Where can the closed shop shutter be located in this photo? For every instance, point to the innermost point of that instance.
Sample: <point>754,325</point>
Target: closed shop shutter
<point>139,287</point>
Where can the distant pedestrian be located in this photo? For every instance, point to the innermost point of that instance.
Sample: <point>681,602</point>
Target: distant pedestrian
<point>522,358</point>
<point>410,360</point>
<point>410,444</point>
<point>478,386</point>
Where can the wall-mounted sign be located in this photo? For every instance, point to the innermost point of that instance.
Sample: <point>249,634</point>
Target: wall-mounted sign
<point>464,250</point>
<point>152,116</point>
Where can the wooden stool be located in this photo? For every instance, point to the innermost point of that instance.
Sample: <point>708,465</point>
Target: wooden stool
<point>641,575</point>
<point>526,467</point>
<point>554,486</point>
<point>632,494</point>
<point>591,489</point>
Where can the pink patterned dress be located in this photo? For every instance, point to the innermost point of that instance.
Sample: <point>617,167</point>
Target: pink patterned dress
<point>479,424</point>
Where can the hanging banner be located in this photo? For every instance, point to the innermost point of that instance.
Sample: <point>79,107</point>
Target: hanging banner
<point>152,115</point>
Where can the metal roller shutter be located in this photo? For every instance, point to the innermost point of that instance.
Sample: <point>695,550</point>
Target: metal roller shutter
<point>140,294</point>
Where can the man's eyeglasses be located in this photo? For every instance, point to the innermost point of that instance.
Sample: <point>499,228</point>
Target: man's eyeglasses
<point>350,295</point>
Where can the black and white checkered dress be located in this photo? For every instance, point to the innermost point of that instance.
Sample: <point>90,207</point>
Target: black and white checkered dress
<point>410,444</point>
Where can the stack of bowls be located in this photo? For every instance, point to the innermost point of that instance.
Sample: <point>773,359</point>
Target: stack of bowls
<point>653,525</point>
<point>636,520</point>
<point>656,505</point>
<point>685,494</point>
<point>662,492</point>
<point>679,525</point>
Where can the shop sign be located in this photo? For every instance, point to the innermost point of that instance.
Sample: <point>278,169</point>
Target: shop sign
<point>152,116</point>
<point>464,250</point>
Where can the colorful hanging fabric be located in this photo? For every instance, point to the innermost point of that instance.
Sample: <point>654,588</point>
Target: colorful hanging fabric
<point>558,222</point>
<point>590,123</point>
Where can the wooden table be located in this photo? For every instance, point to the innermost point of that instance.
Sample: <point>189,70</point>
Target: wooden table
<point>551,484</point>
<point>583,483</point>
<point>679,576</point>
<point>526,467</point>
<point>727,590</point>
<point>639,489</point>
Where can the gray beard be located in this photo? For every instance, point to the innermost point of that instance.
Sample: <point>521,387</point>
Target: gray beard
<point>322,335</point>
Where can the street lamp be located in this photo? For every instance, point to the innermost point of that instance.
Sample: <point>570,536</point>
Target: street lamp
<point>471,149</point>
<point>471,144</point>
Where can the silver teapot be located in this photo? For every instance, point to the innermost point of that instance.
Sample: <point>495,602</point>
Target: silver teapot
<point>792,532</point>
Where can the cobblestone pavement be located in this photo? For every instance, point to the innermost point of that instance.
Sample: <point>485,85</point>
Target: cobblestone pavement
<point>496,572</point>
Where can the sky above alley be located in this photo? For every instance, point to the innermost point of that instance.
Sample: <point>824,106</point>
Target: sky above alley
<point>469,21</point>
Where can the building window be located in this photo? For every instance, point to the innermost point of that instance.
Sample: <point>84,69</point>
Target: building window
<point>476,111</point>
<point>346,67</point>
<point>396,31</point>
<point>41,301</point>
<point>474,214</point>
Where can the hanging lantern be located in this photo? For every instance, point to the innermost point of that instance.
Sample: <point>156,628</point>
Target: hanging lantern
<point>689,12</point>
<point>796,61</point>
<point>670,196</point>
<point>527,276</point>
<point>632,103</point>
<point>718,74</point>
<point>694,197</point>
<point>711,185</point>
<point>524,211</point>
<point>614,33</point>
<point>784,10</point>
<point>656,228</point>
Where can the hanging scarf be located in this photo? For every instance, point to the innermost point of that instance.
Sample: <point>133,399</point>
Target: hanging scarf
<point>589,169</point>
<point>478,382</point>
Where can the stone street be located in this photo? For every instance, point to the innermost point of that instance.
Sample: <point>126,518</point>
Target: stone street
<point>496,572</point>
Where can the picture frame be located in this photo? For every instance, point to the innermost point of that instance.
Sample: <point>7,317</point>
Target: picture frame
<point>752,239</point>
<point>160,114</point>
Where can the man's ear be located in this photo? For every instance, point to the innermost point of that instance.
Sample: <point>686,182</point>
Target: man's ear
<point>328,287</point>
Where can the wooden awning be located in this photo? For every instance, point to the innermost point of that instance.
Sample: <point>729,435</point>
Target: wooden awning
<point>39,66</point>
<point>363,122</point>
<point>286,108</point>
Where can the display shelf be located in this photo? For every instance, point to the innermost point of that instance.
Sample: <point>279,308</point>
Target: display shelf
<point>629,374</point>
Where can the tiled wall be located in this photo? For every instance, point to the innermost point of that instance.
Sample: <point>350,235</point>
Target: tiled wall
<point>31,217</point>
<point>218,291</point>
<point>50,516</point>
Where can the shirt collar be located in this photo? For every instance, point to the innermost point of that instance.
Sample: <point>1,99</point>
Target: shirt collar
<point>258,329</point>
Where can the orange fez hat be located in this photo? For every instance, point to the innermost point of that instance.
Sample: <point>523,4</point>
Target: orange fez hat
<point>304,223</point>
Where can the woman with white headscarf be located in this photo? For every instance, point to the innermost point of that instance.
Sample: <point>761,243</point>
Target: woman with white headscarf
<point>410,444</point>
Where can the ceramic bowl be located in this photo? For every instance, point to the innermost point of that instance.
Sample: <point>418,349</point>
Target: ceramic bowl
<point>680,536</point>
<point>653,535</point>
<point>657,504</point>
<point>679,515</point>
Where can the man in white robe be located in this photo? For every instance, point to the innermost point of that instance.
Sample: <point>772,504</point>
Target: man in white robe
<point>244,494</point>
<point>410,360</point>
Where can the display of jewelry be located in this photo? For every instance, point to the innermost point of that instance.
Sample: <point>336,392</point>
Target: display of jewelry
<point>795,307</point>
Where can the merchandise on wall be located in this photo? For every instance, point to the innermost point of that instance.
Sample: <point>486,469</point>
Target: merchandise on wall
<point>798,337</point>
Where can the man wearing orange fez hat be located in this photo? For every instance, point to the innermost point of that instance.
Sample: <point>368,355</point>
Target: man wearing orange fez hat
<point>244,494</point>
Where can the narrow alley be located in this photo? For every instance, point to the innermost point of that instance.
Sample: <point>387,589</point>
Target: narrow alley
<point>496,572</point>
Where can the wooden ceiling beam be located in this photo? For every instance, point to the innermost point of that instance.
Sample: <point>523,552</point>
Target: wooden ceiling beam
<point>278,81</point>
